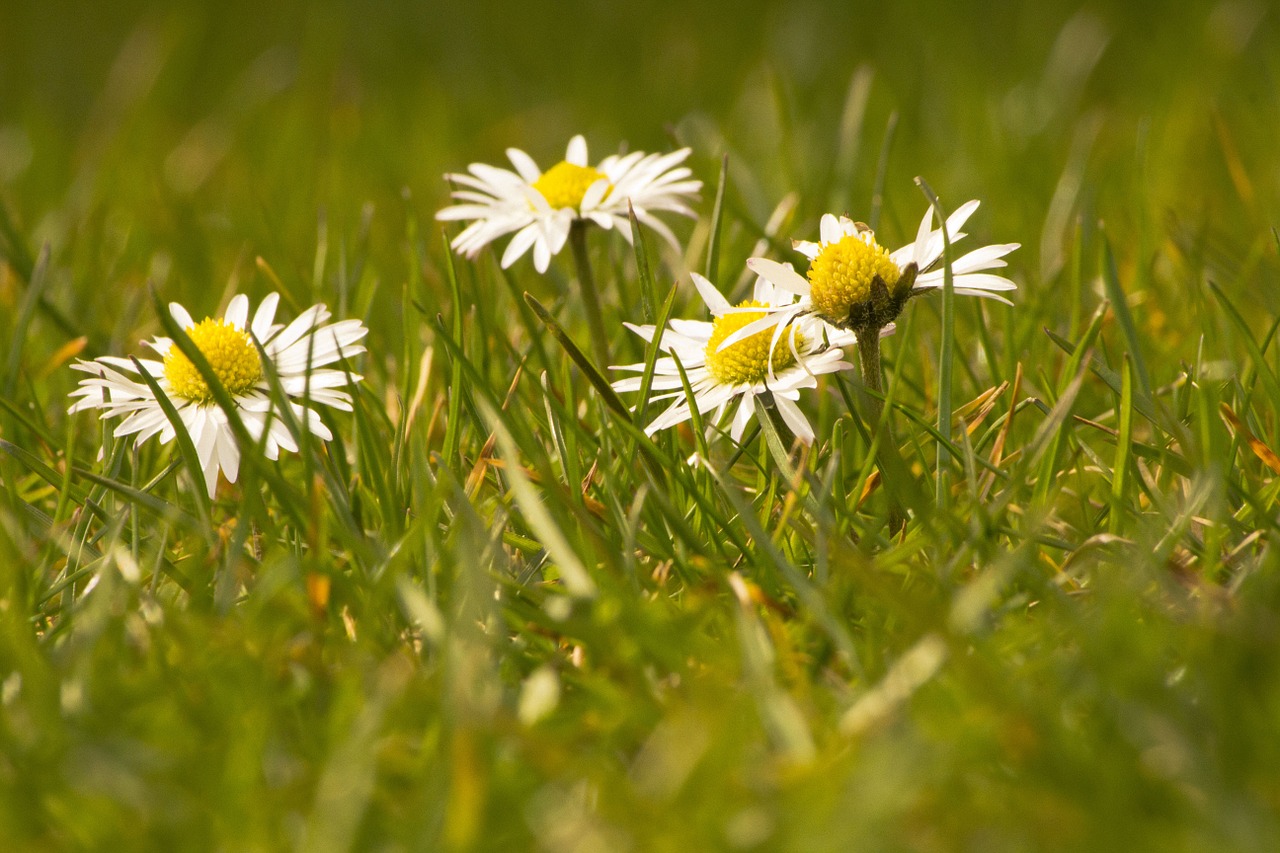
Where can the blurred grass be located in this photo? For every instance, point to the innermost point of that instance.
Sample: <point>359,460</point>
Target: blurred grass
<point>1077,655</point>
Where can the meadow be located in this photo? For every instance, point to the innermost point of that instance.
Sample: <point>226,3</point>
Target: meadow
<point>1037,607</point>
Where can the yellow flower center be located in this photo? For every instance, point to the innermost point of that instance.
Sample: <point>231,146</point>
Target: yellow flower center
<point>748,359</point>
<point>229,351</point>
<point>564,184</point>
<point>840,277</point>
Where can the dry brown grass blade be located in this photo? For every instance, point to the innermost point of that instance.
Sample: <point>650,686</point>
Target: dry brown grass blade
<point>485,460</point>
<point>997,450</point>
<point>1260,450</point>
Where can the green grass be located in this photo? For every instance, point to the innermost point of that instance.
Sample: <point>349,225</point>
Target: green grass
<point>492,614</point>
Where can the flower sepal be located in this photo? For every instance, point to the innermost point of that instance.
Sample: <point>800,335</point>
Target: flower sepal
<point>883,305</point>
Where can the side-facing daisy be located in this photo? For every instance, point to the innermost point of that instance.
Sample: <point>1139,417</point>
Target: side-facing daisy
<point>775,362</point>
<point>298,354</point>
<point>855,283</point>
<point>540,207</point>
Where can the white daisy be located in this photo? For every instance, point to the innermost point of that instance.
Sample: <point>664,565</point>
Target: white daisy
<point>854,282</point>
<point>541,206</point>
<point>777,361</point>
<point>297,352</point>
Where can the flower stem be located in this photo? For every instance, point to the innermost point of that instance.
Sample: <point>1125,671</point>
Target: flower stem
<point>869,361</point>
<point>590,296</point>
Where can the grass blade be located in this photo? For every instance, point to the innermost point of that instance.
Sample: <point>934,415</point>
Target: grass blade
<point>712,270</point>
<point>602,386</point>
<point>945,350</point>
<point>453,427</point>
<point>1111,280</point>
<point>1124,450</point>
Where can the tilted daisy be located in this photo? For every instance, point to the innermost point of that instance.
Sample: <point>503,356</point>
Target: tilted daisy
<point>540,207</point>
<point>855,283</point>
<point>298,354</point>
<point>776,362</point>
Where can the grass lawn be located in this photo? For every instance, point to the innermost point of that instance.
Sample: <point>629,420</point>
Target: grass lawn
<point>1038,608</point>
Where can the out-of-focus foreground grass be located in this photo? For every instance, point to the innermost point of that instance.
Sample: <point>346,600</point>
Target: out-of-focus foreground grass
<point>1062,660</point>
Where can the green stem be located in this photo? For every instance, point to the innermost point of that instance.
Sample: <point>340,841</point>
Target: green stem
<point>590,296</point>
<point>945,350</point>
<point>869,361</point>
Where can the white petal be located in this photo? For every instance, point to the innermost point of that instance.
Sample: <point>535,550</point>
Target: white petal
<point>520,244</point>
<point>988,257</point>
<point>305,323</point>
<point>781,275</point>
<point>501,181</point>
<point>557,230</point>
<point>968,281</point>
<point>794,418</point>
<point>237,313</point>
<point>656,225</point>
<point>713,298</point>
<point>524,164</point>
<point>829,229</point>
<point>985,294</point>
<point>804,247</point>
<point>922,238</point>
<point>677,412</point>
<point>576,153</point>
<point>960,216</point>
<point>264,316</point>
<point>181,316</point>
<point>228,454</point>
<point>742,417</point>
<point>541,256</point>
<point>594,193</point>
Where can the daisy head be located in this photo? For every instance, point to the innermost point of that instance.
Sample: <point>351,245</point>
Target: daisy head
<point>855,283</point>
<point>738,356</point>
<point>297,352</point>
<point>540,207</point>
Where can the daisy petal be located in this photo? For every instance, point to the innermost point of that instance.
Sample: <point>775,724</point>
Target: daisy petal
<point>714,300</point>
<point>524,165</point>
<point>781,275</point>
<point>294,351</point>
<point>576,153</point>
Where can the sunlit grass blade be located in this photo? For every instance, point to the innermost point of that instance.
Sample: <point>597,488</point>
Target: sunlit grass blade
<point>186,448</point>
<point>652,353</point>
<point>157,506</point>
<point>1124,452</point>
<point>1046,445</point>
<point>590,290</point>
<point>1257,356</point>
<point>576,578</point>
<point>34,294</point>
<point>589,370</point>
<point>946,355</point>
<point>778,451</point>
<point>1120,305</point>
<point>50,476</point>
<point>777,562</point>
<point>453,426</point>
<point>712,269</point>
<point>1080,356</point>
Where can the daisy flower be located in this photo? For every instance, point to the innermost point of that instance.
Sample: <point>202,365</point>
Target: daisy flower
<point>855,283</point>
<point>298,354</point>
<point>540,207</point>
<point>775,362</point>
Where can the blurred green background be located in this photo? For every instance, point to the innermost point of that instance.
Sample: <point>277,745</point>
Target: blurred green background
<point>205,131</point>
